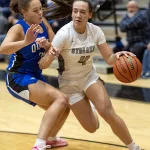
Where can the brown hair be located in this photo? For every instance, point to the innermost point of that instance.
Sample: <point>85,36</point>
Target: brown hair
<point>62,9</point>
<point>17,5</point>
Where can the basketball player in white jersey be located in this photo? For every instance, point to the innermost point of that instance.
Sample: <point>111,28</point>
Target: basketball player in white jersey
<point>76,43</point>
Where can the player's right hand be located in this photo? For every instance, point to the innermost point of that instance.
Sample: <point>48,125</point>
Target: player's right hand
<point>54,52</point>
<point>31,34</point>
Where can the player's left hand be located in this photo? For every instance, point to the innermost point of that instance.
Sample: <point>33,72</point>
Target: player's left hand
<point>126,53</point>
<point>43,43</point>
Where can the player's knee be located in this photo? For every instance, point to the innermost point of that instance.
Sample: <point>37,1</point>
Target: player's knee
<point>92,129</point>
<point>108,114</point>
<point>62,99</point>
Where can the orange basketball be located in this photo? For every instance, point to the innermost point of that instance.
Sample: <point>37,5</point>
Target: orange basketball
<point>127,69</point>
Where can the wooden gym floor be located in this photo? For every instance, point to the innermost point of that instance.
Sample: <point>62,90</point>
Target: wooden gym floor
<point>19,122</point>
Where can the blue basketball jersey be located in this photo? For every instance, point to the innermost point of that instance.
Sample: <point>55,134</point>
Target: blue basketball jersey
<point>25,60</point>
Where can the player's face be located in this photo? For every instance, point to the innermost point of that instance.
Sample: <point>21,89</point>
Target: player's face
<point>80,15</point>
<point>34,13</point>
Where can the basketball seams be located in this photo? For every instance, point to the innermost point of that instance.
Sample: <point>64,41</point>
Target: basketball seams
<point>123,67</point>
<point>121,73</point>
<point>137,67</point>
<point>128,68</point>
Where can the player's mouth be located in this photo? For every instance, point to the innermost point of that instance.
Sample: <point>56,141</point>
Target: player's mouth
<point>78,21</point>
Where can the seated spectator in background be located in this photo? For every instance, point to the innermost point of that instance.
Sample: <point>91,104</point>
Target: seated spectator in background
<point>135,24</point>
<point>3,24</point>
<point>55,24</point>
<point>146,63</point>
<point>4,4</point>
<point>3,30</point>
<point>7,20</point>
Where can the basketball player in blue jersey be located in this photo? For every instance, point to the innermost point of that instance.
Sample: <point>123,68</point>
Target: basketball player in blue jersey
<point>28,41</point>
<point>76,43</point>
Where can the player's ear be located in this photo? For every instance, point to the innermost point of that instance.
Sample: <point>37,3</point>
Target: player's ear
<point>23,11</point>
<point>90,15</point>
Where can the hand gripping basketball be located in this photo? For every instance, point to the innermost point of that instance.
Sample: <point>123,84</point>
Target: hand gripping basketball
<point>127,69</point>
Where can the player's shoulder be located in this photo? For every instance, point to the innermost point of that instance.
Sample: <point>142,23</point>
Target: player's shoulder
<point>93,27</point>
<point>64,31</point>
<point>16,29</point>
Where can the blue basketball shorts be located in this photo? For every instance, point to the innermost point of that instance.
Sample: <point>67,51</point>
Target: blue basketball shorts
<point>17,85</point>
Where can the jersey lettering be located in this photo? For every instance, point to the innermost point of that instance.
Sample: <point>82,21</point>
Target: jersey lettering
<point>35,47</point>
<point>41,54</point>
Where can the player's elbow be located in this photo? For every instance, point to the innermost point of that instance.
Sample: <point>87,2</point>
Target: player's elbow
<point>2,50</point>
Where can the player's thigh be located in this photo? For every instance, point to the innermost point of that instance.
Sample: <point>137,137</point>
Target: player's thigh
<point>44,94</point>
<point>84,113</point>
<point>99,97</point>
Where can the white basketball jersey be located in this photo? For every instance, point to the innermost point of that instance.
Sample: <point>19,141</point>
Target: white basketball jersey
<point>76,59</point>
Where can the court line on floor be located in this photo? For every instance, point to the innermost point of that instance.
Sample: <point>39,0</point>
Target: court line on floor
<point>103,143</point>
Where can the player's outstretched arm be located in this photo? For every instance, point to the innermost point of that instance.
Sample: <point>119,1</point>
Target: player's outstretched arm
<point>107,53</point>
<point>109,56</point>
<point>15,39</point>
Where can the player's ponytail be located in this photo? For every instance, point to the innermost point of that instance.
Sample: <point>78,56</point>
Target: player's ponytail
<point>14,6</point>
<point>62,9</point>
<point>17,5</point>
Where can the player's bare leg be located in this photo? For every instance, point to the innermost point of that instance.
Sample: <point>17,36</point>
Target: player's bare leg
<point>98,95</point>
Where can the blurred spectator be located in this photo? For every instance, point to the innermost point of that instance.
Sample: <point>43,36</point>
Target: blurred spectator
<point>55,24</point>
<point>3,30</point>
<point>3,24</point>
<point>146,63</point>
<point>4,4</point>
<point>135,24</point>
<point>118,45</point>
<point>146,58</point>
<point>7,19</point>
